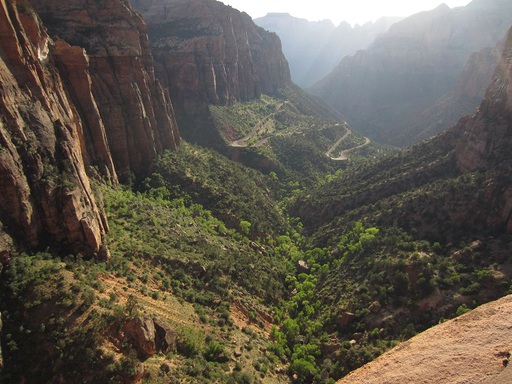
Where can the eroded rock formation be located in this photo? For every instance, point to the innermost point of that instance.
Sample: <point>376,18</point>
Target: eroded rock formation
<point>81,98</point>
<point>46,199</point>
<point>149,336</point>
<point>136,113</point>
<point>468,349</point>
<point>488,134</point>
<point>208,53</point>
<point>488,138</point>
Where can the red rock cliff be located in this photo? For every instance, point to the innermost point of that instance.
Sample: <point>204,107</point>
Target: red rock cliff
<point>209,53</point>
<point>137,119</point>
<point>46,198</point>
<point>488,138</point>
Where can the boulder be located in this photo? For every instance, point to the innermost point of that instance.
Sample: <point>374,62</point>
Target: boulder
<point>238,352</point>
<point>142,334</point>
<point>149,336</point>
<point>303,267</point>
<point>375,307</point>
<point>165,339</point>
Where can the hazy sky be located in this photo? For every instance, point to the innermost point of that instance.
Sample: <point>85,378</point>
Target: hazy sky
<point>353,11</point>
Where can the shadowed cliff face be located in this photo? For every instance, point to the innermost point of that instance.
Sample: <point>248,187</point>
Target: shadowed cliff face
<point>209,53</point>
<point>488,134</point>
<point>463,99</point>
<point>488,137</point>
<point>476,148</point>
<point>137,120</point>
<point>46,196</point>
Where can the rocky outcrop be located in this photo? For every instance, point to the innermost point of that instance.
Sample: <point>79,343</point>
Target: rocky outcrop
<point>487,139</point>
<point>80,98</point>
<point>488,134</point>
<point>383,90</point>
<point>47,200</point>
<point>209,53</point>
<point>108,66</point>
<point>149,336</point>
<point>469,349</point>
<point>314,48</point>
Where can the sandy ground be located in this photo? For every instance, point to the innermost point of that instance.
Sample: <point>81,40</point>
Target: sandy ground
<point>470,349</point>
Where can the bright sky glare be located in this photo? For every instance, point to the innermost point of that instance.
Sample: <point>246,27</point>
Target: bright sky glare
<point>352,11</point>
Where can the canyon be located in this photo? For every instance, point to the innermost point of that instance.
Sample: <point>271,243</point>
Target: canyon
<point>413,82</point>
<point>132,249</point>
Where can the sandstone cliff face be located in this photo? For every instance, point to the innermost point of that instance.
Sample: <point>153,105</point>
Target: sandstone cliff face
<point>488,134</point>
<point>46,195</point>
<point>209,53</point>
<point>137,120</point>
<point>488,137</point>
<point>83,95</point>
<point>468,349</point>
<point>383,90</point>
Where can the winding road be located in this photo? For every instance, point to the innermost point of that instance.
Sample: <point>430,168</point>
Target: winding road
<point>343,154</point>
<point>242,143</point>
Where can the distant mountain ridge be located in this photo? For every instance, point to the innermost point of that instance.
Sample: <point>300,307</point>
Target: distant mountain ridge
<point>383,90</point>
<point>314,48</point>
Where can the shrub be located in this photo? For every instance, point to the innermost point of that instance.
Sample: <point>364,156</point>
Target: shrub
<point>215,351</point>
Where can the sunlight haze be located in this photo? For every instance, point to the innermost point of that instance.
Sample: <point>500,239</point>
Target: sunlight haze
<point>358,12</point>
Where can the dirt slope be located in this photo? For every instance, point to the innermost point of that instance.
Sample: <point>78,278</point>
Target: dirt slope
<point>469,349</point>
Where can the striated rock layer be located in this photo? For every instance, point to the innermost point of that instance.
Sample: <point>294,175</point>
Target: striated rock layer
<point>136,116</point>
<point>208,53</point>
<point>46,195</point>
<point>80,98</point>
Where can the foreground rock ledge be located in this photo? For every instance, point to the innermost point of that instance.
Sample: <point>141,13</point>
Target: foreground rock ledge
<point>469,349</point>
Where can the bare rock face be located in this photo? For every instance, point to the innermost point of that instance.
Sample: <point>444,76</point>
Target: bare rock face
<point>488,134</point>
<point>46,195</point>
<point>73,63</point>
<point>87,97</point>
<point>209,53</point>
<point>165,336</point>
<point>487,139</point>
<point>137,120</point>
<point>149,336</point>
<point>469,349</point>
<point>141,332</point>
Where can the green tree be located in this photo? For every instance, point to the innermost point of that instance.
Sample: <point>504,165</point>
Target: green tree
<point>245,226</point>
